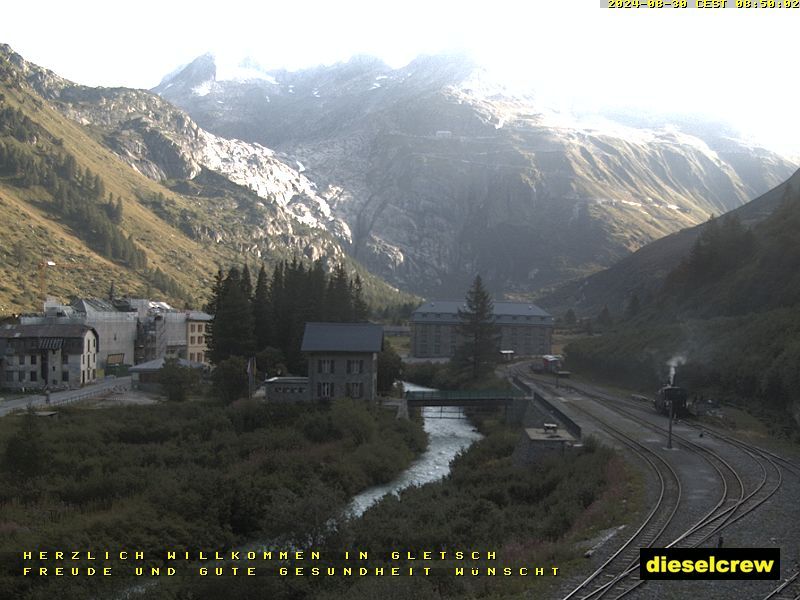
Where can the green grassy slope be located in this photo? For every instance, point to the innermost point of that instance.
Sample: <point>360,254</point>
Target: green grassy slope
<point>183,230</point>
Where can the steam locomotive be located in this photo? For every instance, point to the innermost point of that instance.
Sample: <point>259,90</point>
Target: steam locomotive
<point>669,396</point>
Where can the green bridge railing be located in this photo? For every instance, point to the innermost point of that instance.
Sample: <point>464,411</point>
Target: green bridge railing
<point>465,395</point>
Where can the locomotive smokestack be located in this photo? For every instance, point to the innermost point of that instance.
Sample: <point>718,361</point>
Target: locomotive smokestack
<point>673,364</point>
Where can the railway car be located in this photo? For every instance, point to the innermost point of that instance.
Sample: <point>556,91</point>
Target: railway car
<point>670,395</point>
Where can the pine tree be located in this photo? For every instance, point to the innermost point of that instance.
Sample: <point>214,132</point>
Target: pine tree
<point>247,282</point>
<point>339,305</point>
<point>262,310</point>
<point>478,351</point>
<point>216,292</point>
<point>232,326</point>
<point>359,306</point>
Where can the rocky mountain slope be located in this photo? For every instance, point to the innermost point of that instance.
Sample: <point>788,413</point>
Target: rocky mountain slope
<point>438,172</point>
<point>644,273</point>
<point>724,308</point>
<point>191,200</point>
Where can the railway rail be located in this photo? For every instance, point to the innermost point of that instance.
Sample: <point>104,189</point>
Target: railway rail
<point>735,502</point>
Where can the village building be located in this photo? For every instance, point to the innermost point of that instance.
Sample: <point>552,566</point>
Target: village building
<point>132,330</point>
<point>342,362</point>
<point>147,376</point>
<point>49,355</point>
<point>115,325</point>
<point>287,389</point>
<point>525,329</point>
<point>186,333</point>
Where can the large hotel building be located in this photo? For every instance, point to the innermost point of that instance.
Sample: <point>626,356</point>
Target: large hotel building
<point>525,329</point>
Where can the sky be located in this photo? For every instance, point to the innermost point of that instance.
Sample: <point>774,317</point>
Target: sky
<point>736,65</point>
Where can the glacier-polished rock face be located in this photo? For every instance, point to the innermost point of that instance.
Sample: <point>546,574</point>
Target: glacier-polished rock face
<point>163,143</point>
<point>437,171</point>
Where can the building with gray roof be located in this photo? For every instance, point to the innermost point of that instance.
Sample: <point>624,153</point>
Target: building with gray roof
<point>115,324</point>
<point>525,329</point>
<point>342,359</point>
<point>54,355</point>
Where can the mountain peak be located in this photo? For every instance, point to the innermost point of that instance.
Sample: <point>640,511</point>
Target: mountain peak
<point>201,69</point>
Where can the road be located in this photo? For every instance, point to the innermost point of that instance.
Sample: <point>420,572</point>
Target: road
<point>66,396</point>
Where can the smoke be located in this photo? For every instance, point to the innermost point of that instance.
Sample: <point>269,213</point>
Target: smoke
<point>673,364</point>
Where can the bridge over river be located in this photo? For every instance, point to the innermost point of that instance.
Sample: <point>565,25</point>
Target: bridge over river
<point>461,399</point>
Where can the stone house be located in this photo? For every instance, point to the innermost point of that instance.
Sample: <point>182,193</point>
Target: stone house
<point>342,359</point>
<point>36,356</point>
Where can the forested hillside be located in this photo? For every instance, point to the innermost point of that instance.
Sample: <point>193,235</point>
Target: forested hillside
<point>730,311</point>
<point>68,196</point>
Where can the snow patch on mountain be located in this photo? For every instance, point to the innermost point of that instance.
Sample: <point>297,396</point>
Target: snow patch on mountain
<point>204,89</point>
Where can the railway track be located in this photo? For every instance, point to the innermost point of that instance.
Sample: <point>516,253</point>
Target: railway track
<point>735,503</point>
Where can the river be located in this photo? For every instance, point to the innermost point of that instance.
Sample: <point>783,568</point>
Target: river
<point>446,438</point>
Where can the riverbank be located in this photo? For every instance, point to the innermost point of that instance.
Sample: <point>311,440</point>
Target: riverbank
<point>516,518</point>
<point>192,476</point>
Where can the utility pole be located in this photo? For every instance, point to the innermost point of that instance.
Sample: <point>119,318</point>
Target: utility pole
<point>43,264</point>
<point>671,418</point>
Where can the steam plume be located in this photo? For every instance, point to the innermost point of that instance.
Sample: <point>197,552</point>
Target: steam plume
<point>673,364</point>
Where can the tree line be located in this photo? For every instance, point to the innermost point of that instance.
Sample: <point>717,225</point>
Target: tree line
<point>79,194</point>
<point>268,319</point>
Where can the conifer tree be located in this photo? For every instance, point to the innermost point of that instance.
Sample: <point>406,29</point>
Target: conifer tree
<point>339,305</point>
<point>478,352</point>
<point>360,309</point>
<point>232,325</point>
<point>262,310</point>
<point>247,282</point>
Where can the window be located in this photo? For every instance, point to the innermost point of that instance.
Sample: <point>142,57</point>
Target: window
<point>21,376</point>
<point>325,390</point>
<point>33,375</point>
<point>191,356</point>
<point>192,342</point>
<point>33,359</point>
<point>355,366</point>
<point>94,373</point>
<point>64,358</point>
<point>326,365</point>
<point>64,375</point>
<point>355,390</point>
<point>200,339</point>
<point>191,327</point>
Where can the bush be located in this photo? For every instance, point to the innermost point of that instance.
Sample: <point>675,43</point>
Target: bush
<point>230,379</point>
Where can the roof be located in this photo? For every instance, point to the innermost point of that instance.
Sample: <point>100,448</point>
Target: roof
<point>198,315</point>
<point>157,364</point>
<point>45,330</point>
<point>98,304</point>
<point>446,311</point>
<point>342,337</point>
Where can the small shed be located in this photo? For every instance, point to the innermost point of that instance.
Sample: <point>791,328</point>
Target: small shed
<point>287,389</point>
<point>146,376</point>
<point>537,441</point>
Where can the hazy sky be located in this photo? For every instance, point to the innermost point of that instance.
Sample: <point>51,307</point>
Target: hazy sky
<point>736,64</point>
